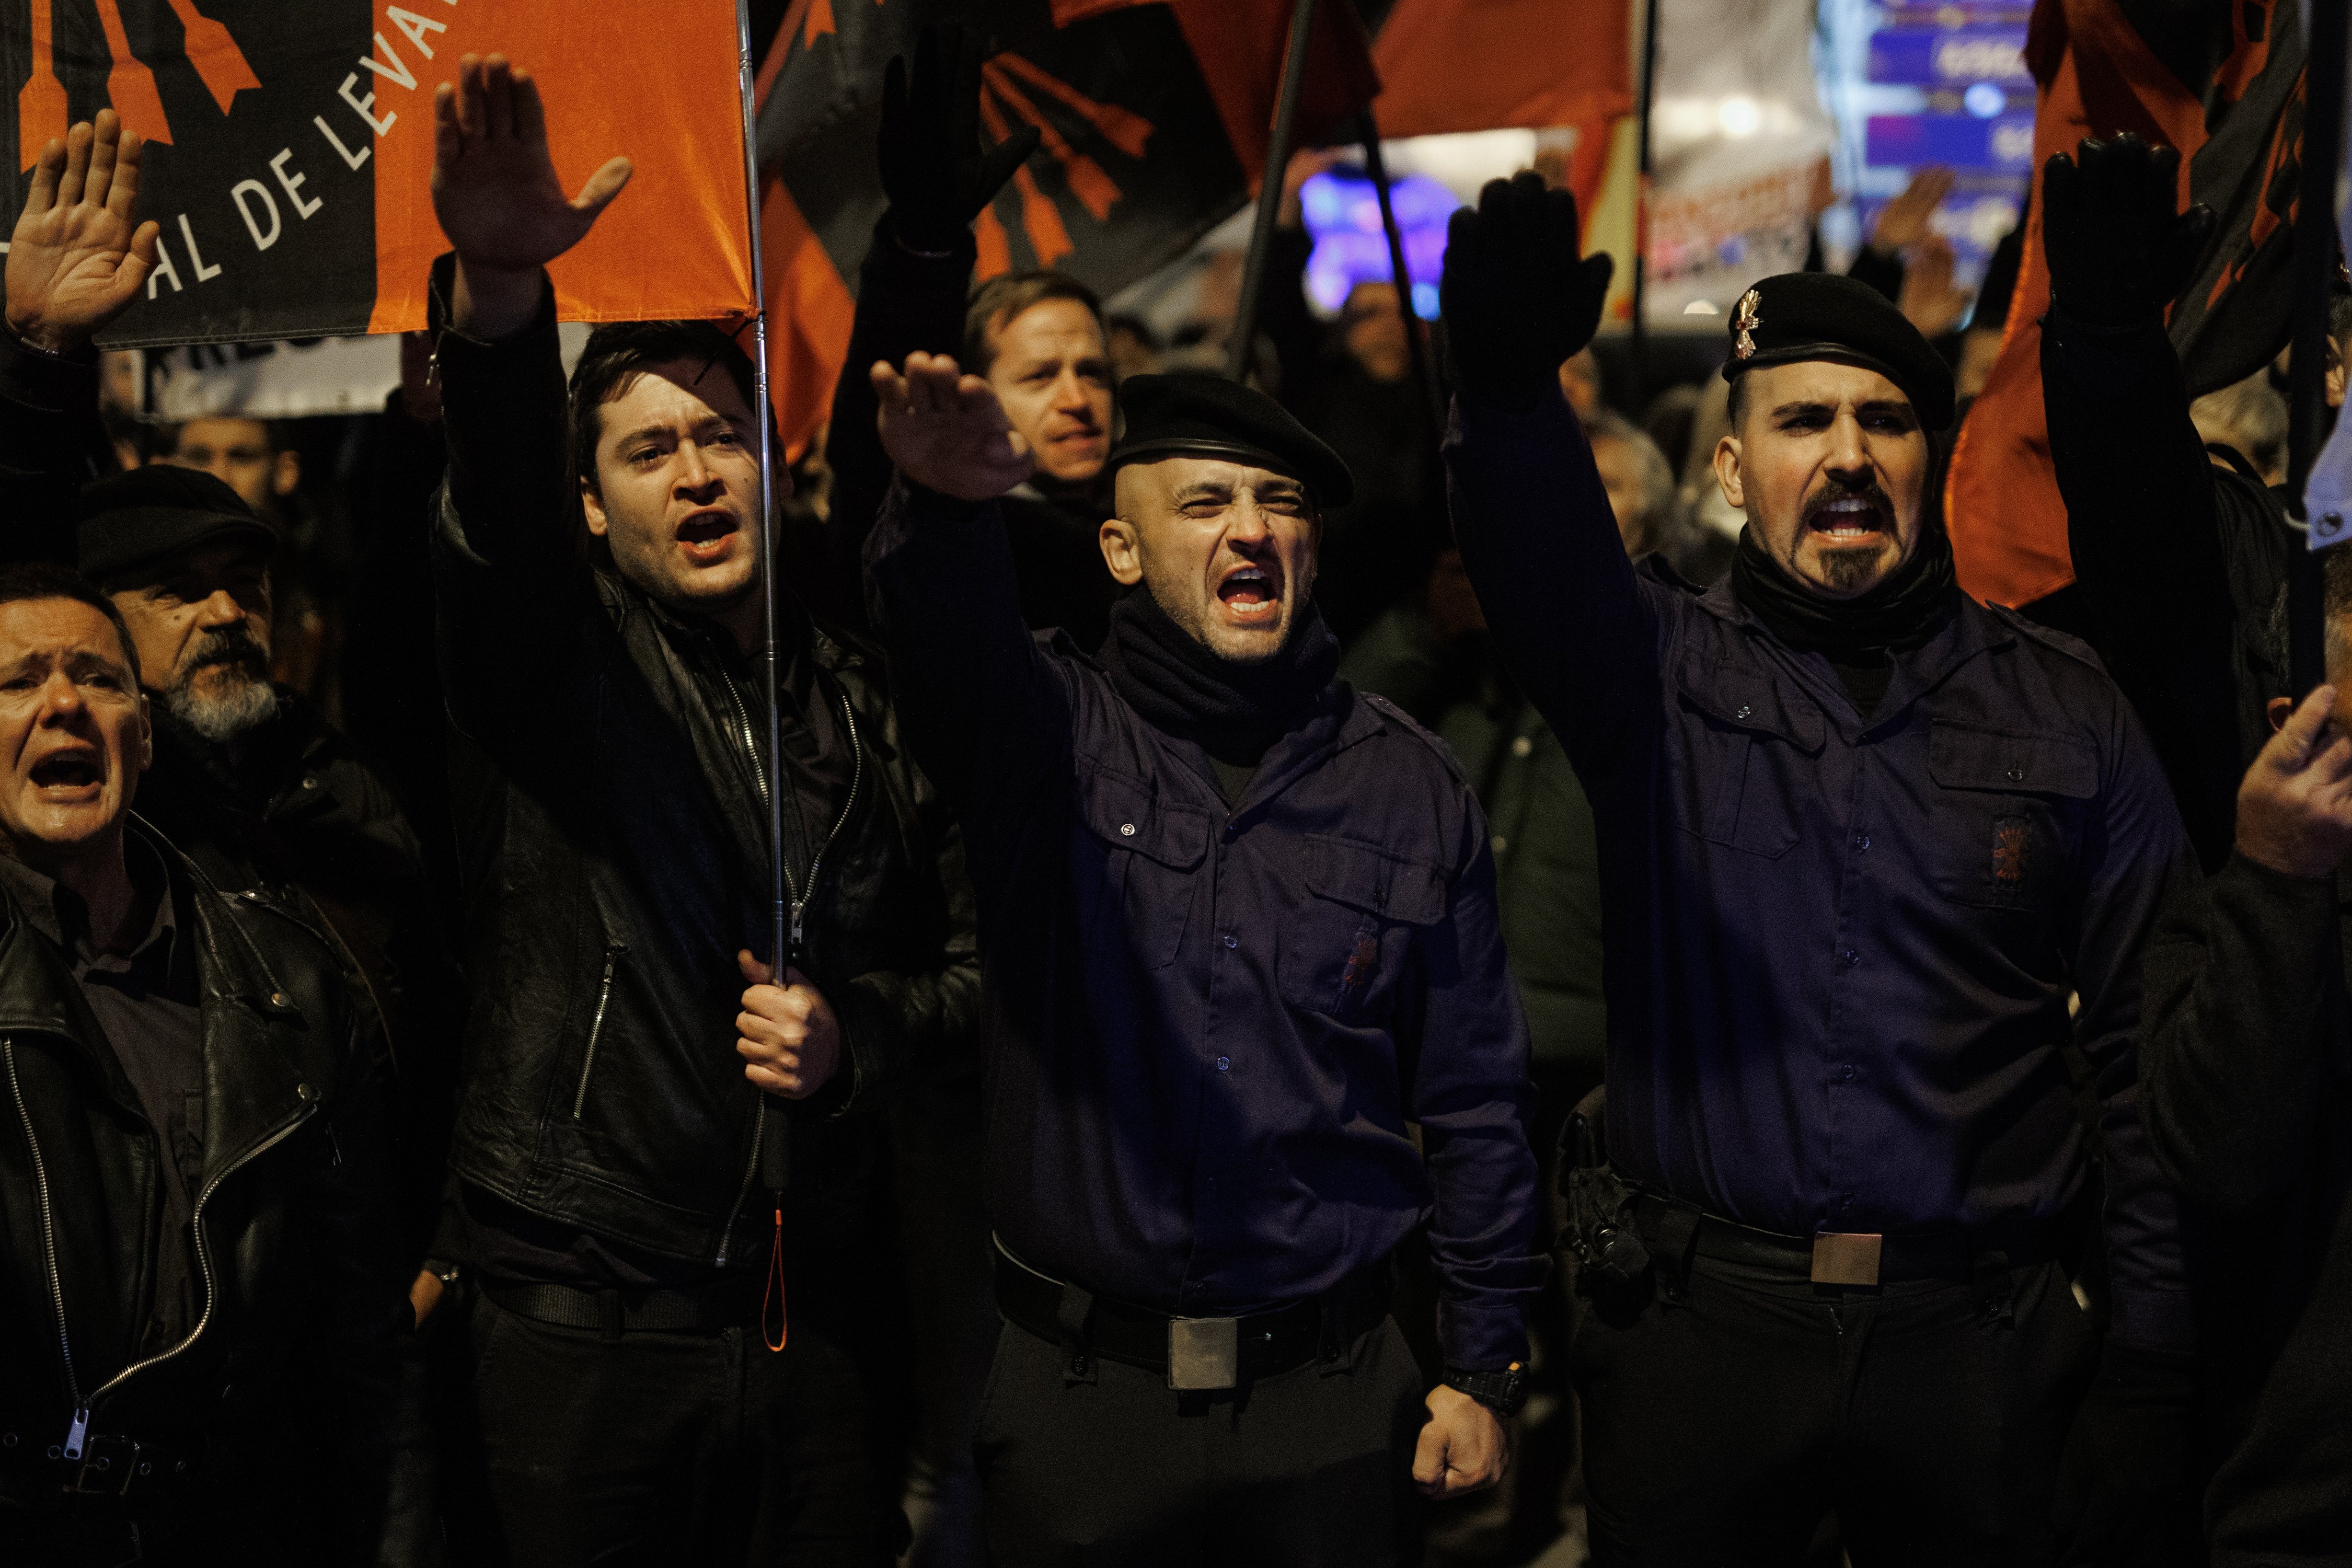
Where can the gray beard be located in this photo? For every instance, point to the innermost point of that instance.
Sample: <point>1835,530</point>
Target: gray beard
<point>222,717</point>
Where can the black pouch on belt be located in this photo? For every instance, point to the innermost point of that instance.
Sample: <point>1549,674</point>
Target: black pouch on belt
<point>1600,1235</point>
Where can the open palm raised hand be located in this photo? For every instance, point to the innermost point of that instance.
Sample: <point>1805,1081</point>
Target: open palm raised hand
<point>79,256</point>
<point>494,185</point>
<point>946,430</point>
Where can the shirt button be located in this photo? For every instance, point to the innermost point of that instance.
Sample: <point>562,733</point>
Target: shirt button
<point>1848,958</point>
<point>1862,841</point>
<point>1232,940</point>
<point>1522,746</point>
<point>1126,830</point>
<point>1499,843</point>
<point>1846,1072</point>
<point>1225,1062</point>
<point>2017,773</point>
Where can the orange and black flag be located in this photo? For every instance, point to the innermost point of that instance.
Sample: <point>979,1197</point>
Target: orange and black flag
<point>2234,105</point>
<point>291,144</point>
<point>1154,120</point>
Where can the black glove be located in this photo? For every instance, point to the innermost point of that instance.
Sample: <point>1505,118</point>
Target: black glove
<point>2119,248</point>
<point>1516,300</point>
<point>937,177</point>
<point>2126,1455</point>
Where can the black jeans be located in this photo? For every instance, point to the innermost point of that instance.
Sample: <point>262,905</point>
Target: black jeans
<point>1722,1429</point>
<point>672,1448</point>
<point>1311,1467</point>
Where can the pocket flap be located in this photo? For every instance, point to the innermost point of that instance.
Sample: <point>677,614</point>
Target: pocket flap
<point>1373,880</point>
<point>1970,756</point>
<point>1129,814</point>
<point>1748,699</point>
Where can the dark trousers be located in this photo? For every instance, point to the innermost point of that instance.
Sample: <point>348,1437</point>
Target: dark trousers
<point>1310,1466</point>
<point>672,1448</point>
<point>1928,1415</point>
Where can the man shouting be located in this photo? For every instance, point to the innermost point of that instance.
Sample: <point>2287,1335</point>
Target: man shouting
<point>1239,924</point>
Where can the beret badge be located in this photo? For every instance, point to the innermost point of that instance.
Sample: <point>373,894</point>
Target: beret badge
<point>1744,322</point>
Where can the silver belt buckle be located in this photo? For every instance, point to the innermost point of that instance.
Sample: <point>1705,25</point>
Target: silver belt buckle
<point>1204,1353</point>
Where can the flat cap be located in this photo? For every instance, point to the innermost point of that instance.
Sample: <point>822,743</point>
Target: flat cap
<point>150,514</point>
<point>1209,417</point>
<point>1820,315</point>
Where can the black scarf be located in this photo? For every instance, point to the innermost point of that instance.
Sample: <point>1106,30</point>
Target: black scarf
<point>1903,611</point>
<point>1234,710</point>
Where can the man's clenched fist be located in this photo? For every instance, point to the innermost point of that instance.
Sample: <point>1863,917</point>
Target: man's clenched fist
<point>2294,808</point>
<point>790,1039</point>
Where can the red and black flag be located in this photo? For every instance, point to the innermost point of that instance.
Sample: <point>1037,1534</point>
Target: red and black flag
<point>290,144</point>
<point>2225,86</point>
<point>1154,119</point>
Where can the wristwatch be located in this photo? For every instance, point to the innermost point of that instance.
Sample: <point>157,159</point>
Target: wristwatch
<point>1504,1392</point>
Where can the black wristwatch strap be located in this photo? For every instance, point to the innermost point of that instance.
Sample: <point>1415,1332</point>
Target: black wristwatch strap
<point>1504,1392</point>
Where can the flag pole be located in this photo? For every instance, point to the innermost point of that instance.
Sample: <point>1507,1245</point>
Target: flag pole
<point>780,930</point>
<point>1649,88</point>
<point>2315,242</point>
<point>1269,190</point>
<point>1377,167</point>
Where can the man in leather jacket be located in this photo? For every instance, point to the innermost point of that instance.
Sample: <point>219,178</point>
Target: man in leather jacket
<point>641,1202</point>
<point>200,1302</point>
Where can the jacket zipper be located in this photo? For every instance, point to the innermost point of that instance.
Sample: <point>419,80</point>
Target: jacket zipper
<point>82,1407</point>
<point>596,1028</point>
<point>792,892</point>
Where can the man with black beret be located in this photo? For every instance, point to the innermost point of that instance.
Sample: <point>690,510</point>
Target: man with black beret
<point>1863,843</point>
<point>1238,924</point>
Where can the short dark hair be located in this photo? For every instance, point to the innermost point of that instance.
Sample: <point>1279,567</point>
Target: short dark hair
<point>48,580</point>
<point>999,300</point>
<point>1737,408</point>
<point>617,351</point>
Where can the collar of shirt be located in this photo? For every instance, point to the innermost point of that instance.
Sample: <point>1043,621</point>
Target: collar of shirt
<point>152,965</point>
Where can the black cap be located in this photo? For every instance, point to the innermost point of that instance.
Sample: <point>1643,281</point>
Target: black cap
<point>149,514</point>
<point>1209,417</point>
<point>1820,315</point>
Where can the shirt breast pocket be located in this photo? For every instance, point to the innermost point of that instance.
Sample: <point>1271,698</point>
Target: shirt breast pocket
<point>1740,743</point>
<point>1342,955</point>
<point>1132,868</point>
<point>2010,807</point>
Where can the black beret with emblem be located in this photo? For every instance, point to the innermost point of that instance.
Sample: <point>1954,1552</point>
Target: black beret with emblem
<point>1209,417</point>
<point>1820,315</point>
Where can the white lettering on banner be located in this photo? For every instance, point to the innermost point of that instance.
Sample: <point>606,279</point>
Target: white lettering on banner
<point>293,184</point>
<point>414,26</point>
<point>236,194</point>
<point>398,70</point>
<point>363,104</point>
<point>196,256</point>
<point>163,269</point>
<point>336,141</point>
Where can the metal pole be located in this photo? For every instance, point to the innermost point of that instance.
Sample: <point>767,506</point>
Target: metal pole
<point>780,931</point>
<point>2324,61</point>
<point>1415,342</point>
<point>1639,372</point>
<point>1269,190</point>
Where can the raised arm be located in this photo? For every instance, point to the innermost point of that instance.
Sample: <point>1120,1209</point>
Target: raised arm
<point>1529,512</point>
<point>76,259</point>
<point>982,707</point>
<point>911,286</point>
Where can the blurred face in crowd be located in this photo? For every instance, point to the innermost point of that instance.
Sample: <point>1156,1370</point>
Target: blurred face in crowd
<point>676,492</point>
<point>1228,550</point>
<point>1373,328</point>
<point>73,732</point>
<point>1052,372</point>
<point>238,453</point>
<point>1580,382</point>
<point>1621,476</point>
<point>199,621</point>
<point>1828,461</point>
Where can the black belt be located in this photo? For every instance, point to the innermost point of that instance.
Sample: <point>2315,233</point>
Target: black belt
<point>110,1465</point>
<point>729,1303</point>
<point>1320,1327</point>
<point>1938,1255</point>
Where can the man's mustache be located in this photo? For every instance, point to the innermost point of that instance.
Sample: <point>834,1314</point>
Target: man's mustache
<point>1871,493</point>
<point>232,647</point>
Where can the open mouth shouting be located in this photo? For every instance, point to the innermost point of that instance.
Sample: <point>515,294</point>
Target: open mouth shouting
<point>1251,593</point>
<point>72,775</point>
<point>1851,518</point>
<point>706,536</point>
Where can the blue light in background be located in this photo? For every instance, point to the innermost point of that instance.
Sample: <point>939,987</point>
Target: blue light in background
<point>1343,215</point>
<point>1985,100</point>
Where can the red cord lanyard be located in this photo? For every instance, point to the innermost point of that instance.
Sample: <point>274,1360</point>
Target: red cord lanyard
<point>775,1291</point>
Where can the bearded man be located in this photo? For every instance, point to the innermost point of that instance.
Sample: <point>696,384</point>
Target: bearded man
<point>1862,843</point>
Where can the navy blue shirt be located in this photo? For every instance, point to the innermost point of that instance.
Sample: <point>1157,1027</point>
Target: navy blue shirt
<point>1839,949</point>
<point>1209,1029</point>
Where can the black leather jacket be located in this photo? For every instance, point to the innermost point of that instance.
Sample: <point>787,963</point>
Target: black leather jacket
<point>611,829</point>
<point>267,1426</point>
